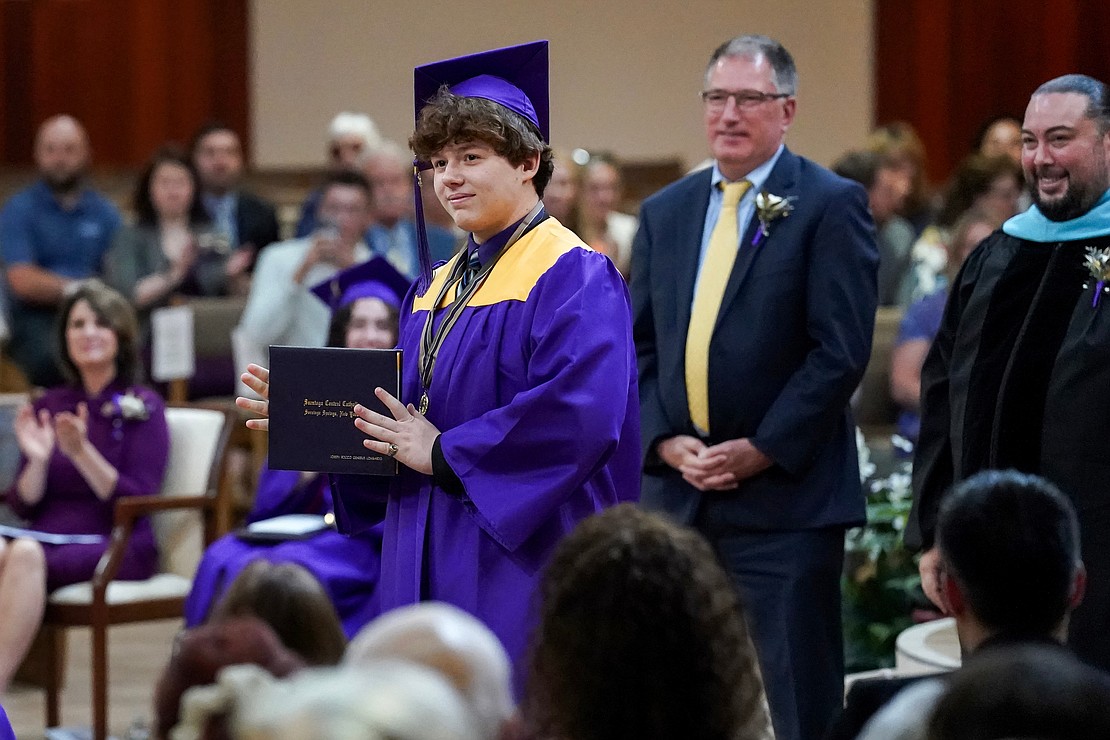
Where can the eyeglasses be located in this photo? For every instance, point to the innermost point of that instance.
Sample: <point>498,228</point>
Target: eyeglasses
<point>716,100</point>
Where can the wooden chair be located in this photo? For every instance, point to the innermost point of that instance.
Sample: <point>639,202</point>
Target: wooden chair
<point>188,498</point>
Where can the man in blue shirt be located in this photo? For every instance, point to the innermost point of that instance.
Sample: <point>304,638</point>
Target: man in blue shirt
<point>51,234</point>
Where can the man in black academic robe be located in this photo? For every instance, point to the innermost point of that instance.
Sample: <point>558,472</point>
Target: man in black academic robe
<point>1019,373</point>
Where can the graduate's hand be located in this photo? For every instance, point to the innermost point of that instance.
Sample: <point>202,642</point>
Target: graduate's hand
<point>412,434</point>
<point>726,464</point>
<point>929,568</point>
<point>71,430</point>
<point>257,378</point>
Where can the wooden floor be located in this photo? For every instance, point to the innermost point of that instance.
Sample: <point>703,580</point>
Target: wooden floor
<point>137,655</point>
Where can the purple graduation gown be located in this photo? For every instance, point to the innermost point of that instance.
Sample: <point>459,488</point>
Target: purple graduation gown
<point>137,448</point>
<point>535,395</point>
<point>347,567</point>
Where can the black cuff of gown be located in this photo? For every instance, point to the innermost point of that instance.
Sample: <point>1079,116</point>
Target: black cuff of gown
<point>442,474</point>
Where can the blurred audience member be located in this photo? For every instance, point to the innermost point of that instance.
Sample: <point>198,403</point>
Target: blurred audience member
<point>292,602</point>
<point>392,232</point>
<point>887,187</point>
<point>83,445</point>
<point>281,309</point>
<point>600,225</point>
<point>171,249</point>
<point>248,222</point>
<point>351,136</point>
<point>900,147</point>
<point>560,197</point>
<point>366,300</point>
<point>382,701</point>
<point>1010,575</point>
<point>1000,137</point>
<point>992,185</point>
<point>51,234</point>
<point>641,635</point>
<point>454,644</point>
<point>199,654</point>
<point>922,321</point>
<point>1029,691</point>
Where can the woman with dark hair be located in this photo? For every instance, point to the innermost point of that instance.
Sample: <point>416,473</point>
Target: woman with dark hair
<point>992,185</point>
<point>365,299</point>
<point>171,248</point>
<point>641,635</point>
<point>83,445</point>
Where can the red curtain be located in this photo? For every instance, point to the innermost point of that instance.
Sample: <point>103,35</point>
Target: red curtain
<point>947,66</point>
<point>137,73</point>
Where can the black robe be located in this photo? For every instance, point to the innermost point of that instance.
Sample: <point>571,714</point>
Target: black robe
<point>1019,377</point>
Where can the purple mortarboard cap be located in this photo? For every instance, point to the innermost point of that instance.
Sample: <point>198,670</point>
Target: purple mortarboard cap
<point>515,77</point>
<point>375,278</point>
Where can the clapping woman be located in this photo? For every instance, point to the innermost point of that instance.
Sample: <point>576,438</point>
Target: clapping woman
<point>83,445</point>
<point>171,249</point>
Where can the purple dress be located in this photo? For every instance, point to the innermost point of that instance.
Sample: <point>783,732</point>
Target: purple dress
<point>137,448</point>
<point>347,567</point>
<point>535,394</point>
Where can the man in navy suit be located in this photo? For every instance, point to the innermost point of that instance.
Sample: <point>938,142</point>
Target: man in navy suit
<point>748,354</point>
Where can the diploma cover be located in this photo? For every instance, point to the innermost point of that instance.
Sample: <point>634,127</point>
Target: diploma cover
<point>312,393</point>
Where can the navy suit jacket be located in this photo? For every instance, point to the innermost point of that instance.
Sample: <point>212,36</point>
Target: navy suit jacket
<point>790,345</point>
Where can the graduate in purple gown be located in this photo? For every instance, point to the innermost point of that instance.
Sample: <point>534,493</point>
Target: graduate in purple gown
<point>366,299</point>
<point>519,372</point>
<point>82,446</point>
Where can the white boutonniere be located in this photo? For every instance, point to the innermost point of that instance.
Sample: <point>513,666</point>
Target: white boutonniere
<point>125,406</point>
<point>1097,262</point>
<point>770,208</point>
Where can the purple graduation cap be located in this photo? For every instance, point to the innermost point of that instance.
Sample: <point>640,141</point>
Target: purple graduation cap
<point>515,77</point>
<point>375,278</point>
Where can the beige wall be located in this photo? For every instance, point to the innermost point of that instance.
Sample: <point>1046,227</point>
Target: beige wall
<point>624,75</point>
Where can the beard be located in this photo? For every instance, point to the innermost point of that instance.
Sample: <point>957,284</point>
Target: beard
<point>1080,197</point>
<point>63,184</point>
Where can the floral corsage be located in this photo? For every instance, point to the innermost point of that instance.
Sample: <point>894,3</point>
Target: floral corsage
<point>1097,262</point>
<point>128,406</point>
<point>770,208</point>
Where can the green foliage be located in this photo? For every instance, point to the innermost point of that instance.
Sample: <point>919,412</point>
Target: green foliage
<point>881,584</point>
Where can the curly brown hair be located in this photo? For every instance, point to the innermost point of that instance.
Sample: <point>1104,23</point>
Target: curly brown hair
<point>449,119</point>
<point>641,635</point>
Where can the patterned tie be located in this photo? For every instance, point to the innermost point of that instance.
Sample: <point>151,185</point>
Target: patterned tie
<point>712,279</point>
<point>473,267</point>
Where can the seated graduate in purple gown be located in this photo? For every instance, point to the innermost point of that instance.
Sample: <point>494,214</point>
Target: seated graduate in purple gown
<point>82,445</point>
<point>519,370</point>
<point>366,299</point>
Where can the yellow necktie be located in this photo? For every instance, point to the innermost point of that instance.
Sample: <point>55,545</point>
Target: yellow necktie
<point>724,243</point>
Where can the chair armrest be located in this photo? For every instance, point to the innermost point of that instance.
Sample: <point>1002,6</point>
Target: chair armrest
<point>127,510</point>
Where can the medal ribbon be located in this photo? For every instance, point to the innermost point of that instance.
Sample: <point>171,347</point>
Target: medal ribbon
<point>431,340</point>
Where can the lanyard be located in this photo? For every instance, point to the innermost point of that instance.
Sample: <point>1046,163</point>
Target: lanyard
<point>431,340</point>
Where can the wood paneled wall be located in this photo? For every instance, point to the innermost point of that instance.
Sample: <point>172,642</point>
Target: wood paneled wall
<point>947,66</point>
<point>137,73</point>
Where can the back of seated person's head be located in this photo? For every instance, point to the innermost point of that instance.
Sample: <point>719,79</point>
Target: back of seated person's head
<point>200,653</point>
<point>641,635</point>
<point>1024,692</point>
<point>387,700</point>
<point>451,642</point>
<point>293,603</point>
<point>1011,542</point>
